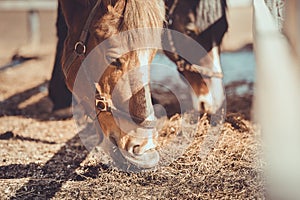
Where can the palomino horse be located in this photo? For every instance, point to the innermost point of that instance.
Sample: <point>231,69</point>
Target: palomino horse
<point>92,22</point>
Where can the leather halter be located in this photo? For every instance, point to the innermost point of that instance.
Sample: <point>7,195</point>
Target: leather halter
<point>102,104</point>
<point>79,50</point>
<point>182,64</point>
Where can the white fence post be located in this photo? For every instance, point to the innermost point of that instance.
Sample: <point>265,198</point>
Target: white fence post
<point>277,104</point>
<point>292,25</point>
<point>34,27</point>
<point>32,7</point>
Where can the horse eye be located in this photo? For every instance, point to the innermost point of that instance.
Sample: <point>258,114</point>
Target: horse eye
<point>117,62</point>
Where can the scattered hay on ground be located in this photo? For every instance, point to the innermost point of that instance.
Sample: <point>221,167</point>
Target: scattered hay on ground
<point>42,157</point>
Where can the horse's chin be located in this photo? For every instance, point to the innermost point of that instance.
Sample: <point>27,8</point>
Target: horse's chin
<point>147,160</point>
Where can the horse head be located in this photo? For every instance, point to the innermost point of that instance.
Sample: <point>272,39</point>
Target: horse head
<point>205,22</point>
<point>122,97</point>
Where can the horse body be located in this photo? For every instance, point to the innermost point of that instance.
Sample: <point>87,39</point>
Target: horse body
<point>115,16</point>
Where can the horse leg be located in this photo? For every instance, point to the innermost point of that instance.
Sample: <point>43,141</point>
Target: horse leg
<point>58,91</point>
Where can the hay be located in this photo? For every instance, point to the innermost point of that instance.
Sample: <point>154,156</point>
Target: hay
<point>40,157</point>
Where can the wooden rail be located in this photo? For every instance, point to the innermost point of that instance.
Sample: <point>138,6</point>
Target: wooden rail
<point>277,104</point>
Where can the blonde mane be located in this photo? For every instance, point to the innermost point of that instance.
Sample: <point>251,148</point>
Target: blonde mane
<point>125,15</point>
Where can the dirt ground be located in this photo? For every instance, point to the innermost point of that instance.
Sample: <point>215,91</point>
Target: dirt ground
<point>42,157</point>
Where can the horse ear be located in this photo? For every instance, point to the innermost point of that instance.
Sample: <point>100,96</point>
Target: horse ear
<point>110,8</point>
<point>114,10</point>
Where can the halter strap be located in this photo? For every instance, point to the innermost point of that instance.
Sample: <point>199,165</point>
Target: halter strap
<point>204,71</point>
<point>80,46</point>
<point>103,104</point>
<point>171,11</point>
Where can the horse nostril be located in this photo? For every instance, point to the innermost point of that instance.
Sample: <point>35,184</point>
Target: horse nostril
<point>202,106</point>
<point>136,149</point>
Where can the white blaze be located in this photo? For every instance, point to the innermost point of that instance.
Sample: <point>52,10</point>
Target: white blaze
<point>215,97</point>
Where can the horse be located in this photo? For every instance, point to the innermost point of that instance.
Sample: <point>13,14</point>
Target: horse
<point>201,20</point>
<point>90,23</point>
<point>204,21</point>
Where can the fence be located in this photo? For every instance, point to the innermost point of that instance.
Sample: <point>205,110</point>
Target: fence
<point>32,7</point>
<point>277,99</point>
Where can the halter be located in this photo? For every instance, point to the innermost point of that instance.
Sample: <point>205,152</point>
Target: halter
<point>102,104</point>
<point>182,64</point>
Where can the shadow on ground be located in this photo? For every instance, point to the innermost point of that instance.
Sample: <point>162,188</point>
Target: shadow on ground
<point>47,179</point>
<point>36,104</point>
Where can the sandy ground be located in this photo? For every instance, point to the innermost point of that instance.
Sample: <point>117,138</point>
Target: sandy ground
<point>42,157</point>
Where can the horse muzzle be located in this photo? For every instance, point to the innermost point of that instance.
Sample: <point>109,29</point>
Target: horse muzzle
<point>139,148</point>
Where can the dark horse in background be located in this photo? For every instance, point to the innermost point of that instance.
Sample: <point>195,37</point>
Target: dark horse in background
<point>203,20</point>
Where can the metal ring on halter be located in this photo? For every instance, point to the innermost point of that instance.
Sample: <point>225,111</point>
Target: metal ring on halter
<point>80,48</point>
<point>103,105</point>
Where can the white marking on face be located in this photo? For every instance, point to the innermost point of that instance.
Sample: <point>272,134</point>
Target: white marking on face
<point>144,69</point>
<point>144,66</point>
<point>214,99</point>
<point>207,100</point>
<point>216,87</point>
<point>216,59</point>
<point>148,146</point>
<point>149,138</point>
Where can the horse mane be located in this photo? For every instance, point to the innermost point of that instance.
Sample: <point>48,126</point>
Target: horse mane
<point>125,15</point>
<point>144,14</point>
<point>208,12</point>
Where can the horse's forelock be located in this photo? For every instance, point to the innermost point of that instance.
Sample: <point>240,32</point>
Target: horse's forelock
<point>124,15</point>
<point>208,12</point>
<point>144,13</point>
<point>139,14</point>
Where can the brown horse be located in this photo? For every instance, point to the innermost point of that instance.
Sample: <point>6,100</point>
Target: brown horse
<point>91,22</point>
<point>205,22</point>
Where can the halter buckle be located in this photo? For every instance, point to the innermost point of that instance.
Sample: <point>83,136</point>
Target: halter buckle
<point>102,104</point>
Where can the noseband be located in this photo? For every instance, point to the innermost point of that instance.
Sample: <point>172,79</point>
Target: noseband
<point>105,105</point>
<point>182,64</point>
